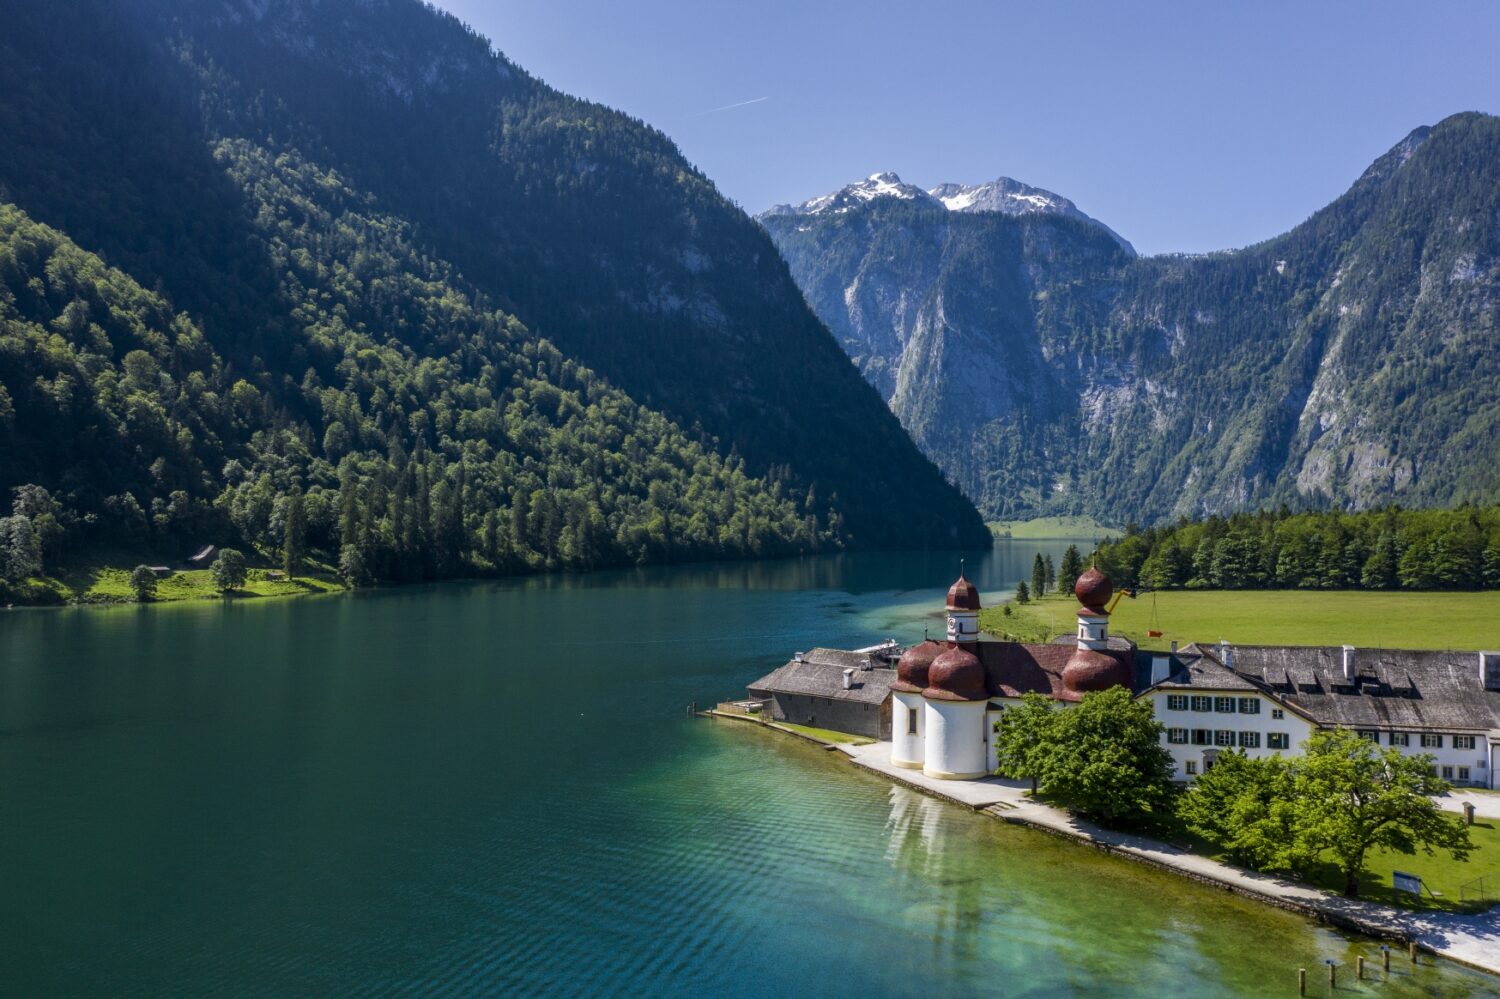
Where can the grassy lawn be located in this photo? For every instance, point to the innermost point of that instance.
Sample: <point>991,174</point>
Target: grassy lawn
<point>1272,617</point>
<point>1440,873</point>
<point>107,584</point>
<point>1037,621</point>
<point>1052,527</point>
<point>1299,617</point>
<point>827,735</point>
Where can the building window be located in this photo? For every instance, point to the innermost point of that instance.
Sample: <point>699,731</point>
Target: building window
<point>1192,767</point>
<point>911,722</point>
<point>1463,742</point>
<point>1463,773</point>
<point>1365,733</point>
<point>1277,714</point>
<point>1177,702</point>
<point>1177,736</point>
<point>1400,738</point>
<point>1447,773</point>
<point>1223,737</point>
<point>1430,741</point>
<point>1224,705</point>
<point>1249,705</point>
<point>1203,737</point>
<point>1249,740</point>
<point>1278,740</point>
<point>1203,703</point>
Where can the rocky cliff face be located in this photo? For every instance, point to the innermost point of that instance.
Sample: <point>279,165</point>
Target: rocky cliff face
<point>1047,369</point>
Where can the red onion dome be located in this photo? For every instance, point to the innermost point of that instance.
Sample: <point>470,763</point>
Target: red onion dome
<point>911,670</point>
<point>963,595</point>
<point>1093,590</point>
<point>956,675</point>
<point>1088,671</point>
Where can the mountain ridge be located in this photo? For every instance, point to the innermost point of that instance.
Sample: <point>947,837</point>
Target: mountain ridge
<point>1308,357</point>
<point>426,266</point>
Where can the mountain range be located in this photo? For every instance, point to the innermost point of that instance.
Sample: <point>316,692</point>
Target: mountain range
<point>349,252</point>
<point>1047,368</point>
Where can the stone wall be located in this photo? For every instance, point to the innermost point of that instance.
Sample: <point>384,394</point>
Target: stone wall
<point>854,717</point>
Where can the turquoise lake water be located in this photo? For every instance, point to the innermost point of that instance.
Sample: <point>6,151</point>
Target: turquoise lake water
<point>492,788</point>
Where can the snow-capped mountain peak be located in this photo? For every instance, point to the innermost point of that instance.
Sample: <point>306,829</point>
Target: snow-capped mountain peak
<point>877,185</point>
<point>1002,195</point>
<point>1011,197</point>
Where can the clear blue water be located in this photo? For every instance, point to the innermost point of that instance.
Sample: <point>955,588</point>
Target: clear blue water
<point>493,789</point>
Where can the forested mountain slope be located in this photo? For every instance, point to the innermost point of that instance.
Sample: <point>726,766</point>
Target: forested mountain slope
<point>1350,362</point>
<point>347,250</point>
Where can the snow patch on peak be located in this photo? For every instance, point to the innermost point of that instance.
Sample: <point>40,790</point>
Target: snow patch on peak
<point>877,185</point>
<point>1011,197</point>
<point>1005,195</point>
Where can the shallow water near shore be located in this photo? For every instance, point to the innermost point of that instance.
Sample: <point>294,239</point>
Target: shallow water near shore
<point>493,788</point>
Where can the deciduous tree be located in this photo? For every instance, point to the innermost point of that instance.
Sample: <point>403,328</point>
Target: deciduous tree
<point>229,570</point>
<point>1104,759</point>
<point>1022,735</point>
<point>1352,797</point>
<point>143,583</point>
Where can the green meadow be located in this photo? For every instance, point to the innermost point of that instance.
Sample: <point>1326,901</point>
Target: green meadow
<point>1052,527</point>
<point>1389,619</point>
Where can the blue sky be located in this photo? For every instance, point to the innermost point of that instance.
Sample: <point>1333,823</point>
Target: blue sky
<point>1184,126</point>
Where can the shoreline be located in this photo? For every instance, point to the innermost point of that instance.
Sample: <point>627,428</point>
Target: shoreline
<point>1473,941</point>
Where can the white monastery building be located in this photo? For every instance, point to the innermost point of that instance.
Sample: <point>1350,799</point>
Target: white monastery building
<point>939,704</point>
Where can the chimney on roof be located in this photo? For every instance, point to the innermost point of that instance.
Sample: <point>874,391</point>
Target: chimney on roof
<point>1489,670</point>
<point>1174,646</point>
<point>848,679</point>
<point>1349,664</point>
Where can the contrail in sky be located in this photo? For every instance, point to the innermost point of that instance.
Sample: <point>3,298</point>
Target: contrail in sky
<point>728,107</point>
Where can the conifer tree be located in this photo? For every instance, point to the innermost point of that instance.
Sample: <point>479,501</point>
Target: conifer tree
<point>295,534</point>
<point>1071,569</point>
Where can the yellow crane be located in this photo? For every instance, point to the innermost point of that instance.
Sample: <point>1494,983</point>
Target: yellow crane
<point>1153,631</point>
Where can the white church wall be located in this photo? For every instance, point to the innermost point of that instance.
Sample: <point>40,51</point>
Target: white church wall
<point>956,744</point>
<point>908,731</point>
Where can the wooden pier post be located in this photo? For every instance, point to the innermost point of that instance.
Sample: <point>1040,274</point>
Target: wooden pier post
<point>1411,947</point>
<point>1302,981</point>
<point>1359,968</point>
<point>1332,973</point>
<point>1385,957</point>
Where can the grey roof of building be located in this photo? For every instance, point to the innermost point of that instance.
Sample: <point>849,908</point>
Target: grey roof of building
<point>1390,688</point>
<point>821,674</point>
<point>1192,670</point>
<point>844,658</point>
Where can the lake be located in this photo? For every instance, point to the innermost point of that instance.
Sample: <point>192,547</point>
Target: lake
<point>493,788</point>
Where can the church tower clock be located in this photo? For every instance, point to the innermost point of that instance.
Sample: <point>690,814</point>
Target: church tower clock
<point>963,610</point>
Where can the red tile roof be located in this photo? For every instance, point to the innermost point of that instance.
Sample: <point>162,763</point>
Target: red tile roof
<point>1012,669</point>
